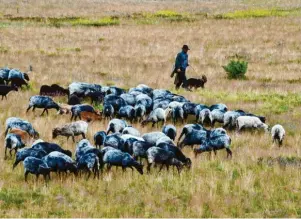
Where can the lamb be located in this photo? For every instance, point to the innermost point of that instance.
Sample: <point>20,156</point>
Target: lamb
<point>140,111</point>
<point>77,109</point>
<point>177,113</point>
<point>51,147</point>
<point>13,142</point>
<point>131,131</point>
<point>43,102</point>
<point>156,155</point>
<point>53,90</point>
<point>116,125</point>
<point>218,140</point>
<point>157,115</point>
<point>153,137</point>
<point>278,134</point>
<point>89,162</point>
<point>99,138</point>
<point>127,112</point>
<point>28,152</point>
<point>170,131</point>
<point>36,166</point>
<point>178,154</point>
<point>189,128</point>
<point>119,158</point>
<point>195,137</point>
<point>108,111</point>
<point>5,89</point>
<point>88,116</point>
<point>59,162</point>
<point>71,129</point>
<point>25,137</point>
<point>74,100</point>
<point>249,122</point>
<point>14,122</point>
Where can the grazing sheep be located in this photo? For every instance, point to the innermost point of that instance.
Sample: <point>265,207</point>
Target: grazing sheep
<point>144,88</point>
<point>249,122</point>
<point>145,100</point>
<point>16,74</point>
<point>51,147</point>
<point>189,109</point>
<point>178,154</point>
<point>189,128</point>
<point>219,106</point>
<point>115,141</point>
<point>127,136</point>
<point>217,116</point>
<point>90,163</point>
<point>278,134</point>
<point>177,113</point>
<point>5,89</point>
<point>128,145</point>
<point>82,147</point>
<point>28,152</point>
<point>156,155</point>
<point>129,99</point>
<point>59,162</point>
<point>99,138</point>
<point>139,149</point>
<point>74,100</point>
<point>131,131</point>
<point>116,101</point>
<point>36,166</point>
<point>153,137</point>
<point>81,88</point>
<point>230,118</point>
<point>53,90</point>
<point>164,139</point>
<point>174,104</point>
<point>157,115</point>
<point>13,142</point>
<point>18,82</point>
<point>96,96</point>
<point>14,122</point>
<point>140,112</point>
<point>116,125</point>
<point>115,90</point>
<point>194,137</point>
<point>119,158</point>
<point>108,111</point>
<point>77,109</point>
<point>170,131</point>
<point>127,112</point>
<point>43,102</point>
<point>71,129</point>
<point>106,149</point>
<point>218,140</point>
<point>88,116</point>
<point>204,116</point>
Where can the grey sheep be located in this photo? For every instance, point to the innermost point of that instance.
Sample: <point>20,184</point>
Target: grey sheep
<point>28,152</point>
<point>196,137</point>
<point>156,116</point>
<point>177,114</point>
<point>108,111</point>
<point>90,163</point>
<point>71,130</point>
<point>43,102</point>
<point>140,111</point>
<point>13,142</point>
<point>131,131</point>
<point>37,167</point>
<point>278,134</point>
<point>153,137</point>
<point>116,125</point>
<point>127,112</point>
<point>170,131</point>
<point>99,138</point>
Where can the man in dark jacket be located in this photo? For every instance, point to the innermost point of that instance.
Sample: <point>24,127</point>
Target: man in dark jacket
<point>181,64</point>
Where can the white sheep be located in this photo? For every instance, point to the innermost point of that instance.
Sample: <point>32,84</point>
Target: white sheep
<point>278,134</point>
<point>250,122</point>
<point>157,115</point>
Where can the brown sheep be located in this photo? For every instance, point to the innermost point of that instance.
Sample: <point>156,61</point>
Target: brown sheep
<point>91,116</point>
<point>25,137</point>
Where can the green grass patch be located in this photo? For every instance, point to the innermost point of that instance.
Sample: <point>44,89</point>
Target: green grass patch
<point>258,13</point>
<point>107,21</point>
<point>77,49</point>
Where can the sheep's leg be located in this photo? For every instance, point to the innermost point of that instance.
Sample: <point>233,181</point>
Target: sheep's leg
<point>26,174</point>
<point>33,109</point>
<point>2,97</point>
<point>37,177</point>
<point>161,167</point>
<point>229,152</point>
<point>73,138</point>
<point>5,96</point>
<point>43,112</point>
<point>215,152</point>
<point>212,124</point>
<point>71,117</point>
<point>47,111</point>
<point>89,174</point>
<point>5,153</point>
<point>10,152</point>
<point>153,125</point>
<point>148,167</point>
<point>29,107</point>
<point>84,136</point>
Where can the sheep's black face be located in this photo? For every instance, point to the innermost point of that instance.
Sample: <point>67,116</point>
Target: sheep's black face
<point>139,168</point>
<point>26,76</point>
<point>188,162</point>
<point>16,163</point>
<point>67,152</point>
<point>55,133</point>
<point>44,170</point>
<point>36,135</point>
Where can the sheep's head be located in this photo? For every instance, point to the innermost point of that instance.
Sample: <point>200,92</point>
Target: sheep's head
<point>26,76</point>
<point>44,170</point>
<point>188,162</point>
<point>139,168</point>
<point>56,132</point>
<point>178,164</point>
<point>197,151</point>
<point>168,111</point>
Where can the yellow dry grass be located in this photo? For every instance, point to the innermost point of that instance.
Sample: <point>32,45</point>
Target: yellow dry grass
<point>132,53</point>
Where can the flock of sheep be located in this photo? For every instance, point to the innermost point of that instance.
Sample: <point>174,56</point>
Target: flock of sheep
<point>121,144</point>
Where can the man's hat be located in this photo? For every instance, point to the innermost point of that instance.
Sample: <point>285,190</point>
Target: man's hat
<point>185,47</point>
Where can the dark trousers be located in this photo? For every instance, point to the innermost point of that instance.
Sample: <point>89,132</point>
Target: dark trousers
<point>180,79</point>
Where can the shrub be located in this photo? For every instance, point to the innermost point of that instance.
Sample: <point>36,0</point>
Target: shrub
<point>236,69</point>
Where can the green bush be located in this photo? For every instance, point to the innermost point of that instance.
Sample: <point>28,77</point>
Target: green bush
<point>236,69</point>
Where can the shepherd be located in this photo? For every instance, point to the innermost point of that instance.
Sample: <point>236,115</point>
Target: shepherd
<point>181,64</point>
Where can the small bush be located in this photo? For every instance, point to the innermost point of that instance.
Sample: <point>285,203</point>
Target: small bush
<point>236,69</point>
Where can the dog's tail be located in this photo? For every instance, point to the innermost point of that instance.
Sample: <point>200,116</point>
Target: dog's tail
<point>204,78</point>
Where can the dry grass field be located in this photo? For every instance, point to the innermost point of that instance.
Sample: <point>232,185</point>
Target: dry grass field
<point>139,46</point>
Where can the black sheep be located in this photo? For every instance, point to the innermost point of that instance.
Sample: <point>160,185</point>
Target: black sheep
<point>50,147</point>
<point>74,100</point>
<point>5,89</point>
<point>36,166</point>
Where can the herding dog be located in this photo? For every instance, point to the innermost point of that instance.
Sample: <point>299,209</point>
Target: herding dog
<point>196,83</point>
